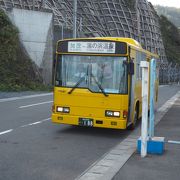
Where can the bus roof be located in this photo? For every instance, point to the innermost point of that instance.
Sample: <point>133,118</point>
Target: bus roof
<point>129,41</point>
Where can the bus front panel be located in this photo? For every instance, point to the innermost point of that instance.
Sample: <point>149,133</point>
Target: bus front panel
<point>85,108</point>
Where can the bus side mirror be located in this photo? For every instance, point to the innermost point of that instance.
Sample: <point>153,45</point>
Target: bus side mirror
<point>131,67</point>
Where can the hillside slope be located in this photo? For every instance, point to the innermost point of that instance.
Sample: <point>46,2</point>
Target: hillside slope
<point>173,14</point>
<point>171,39</point>
<point>17,72</point>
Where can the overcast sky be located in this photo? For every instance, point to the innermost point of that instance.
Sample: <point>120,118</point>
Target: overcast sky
<point>170,3</point>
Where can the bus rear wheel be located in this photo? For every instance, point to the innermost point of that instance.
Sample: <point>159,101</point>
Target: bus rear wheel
<point>135,119</point>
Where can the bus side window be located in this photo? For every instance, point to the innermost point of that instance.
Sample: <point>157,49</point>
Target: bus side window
<point>139,57</point>
<point>143,58</point>
<point>138,68</point>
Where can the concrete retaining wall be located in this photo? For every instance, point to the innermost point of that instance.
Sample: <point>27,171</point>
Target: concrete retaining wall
<point>36,34</point>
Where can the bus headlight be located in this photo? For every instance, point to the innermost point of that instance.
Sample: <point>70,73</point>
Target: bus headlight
<point>66,109</point>
<point>59,109</point>
<point>63,109</point>
<point>112,113</point>
<point>117,113</point>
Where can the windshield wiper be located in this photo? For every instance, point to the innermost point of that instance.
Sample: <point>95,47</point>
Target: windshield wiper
<point>77,84</point>
<point>100,87</point>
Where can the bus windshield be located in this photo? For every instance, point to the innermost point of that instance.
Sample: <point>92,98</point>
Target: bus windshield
<point>97,73</point>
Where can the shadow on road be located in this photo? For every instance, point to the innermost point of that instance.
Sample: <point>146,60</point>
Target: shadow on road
<point>96,132</point>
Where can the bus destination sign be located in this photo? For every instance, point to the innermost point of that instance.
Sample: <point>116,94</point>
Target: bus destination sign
<point>91,47</point>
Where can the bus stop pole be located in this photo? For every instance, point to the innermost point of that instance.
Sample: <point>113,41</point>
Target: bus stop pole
<point>144,124</point>
<point>152,96</point>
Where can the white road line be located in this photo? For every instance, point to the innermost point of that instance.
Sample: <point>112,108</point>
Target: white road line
<point>174,142</point>
<point>161,86</point>
<point>24,97</point>
<point>30,105</point>
<point>5,132</point>
<point>37,122</point>
<point>107,167</point>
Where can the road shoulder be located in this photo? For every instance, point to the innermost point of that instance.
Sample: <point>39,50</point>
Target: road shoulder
<point>155,167</point>
<point>112,162</point>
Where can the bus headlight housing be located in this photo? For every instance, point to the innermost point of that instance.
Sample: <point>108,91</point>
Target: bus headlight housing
<point>63,109</point>
<point>109,113</point>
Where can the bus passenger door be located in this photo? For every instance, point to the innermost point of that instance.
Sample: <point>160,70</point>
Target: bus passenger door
<point>131,92</point>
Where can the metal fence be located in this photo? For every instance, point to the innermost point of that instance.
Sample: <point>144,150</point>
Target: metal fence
<point>169,73</point>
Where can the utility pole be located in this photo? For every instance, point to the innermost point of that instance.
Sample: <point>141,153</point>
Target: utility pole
<point>42,4</point>
<point>33,5</point>
<point>62,30</point>
<point>75,19</point>
<point>138,20</point>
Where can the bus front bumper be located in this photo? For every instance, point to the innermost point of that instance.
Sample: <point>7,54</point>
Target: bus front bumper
<point>113,123</point>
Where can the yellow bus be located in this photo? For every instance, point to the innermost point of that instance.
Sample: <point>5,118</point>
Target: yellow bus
<point>97,82</point>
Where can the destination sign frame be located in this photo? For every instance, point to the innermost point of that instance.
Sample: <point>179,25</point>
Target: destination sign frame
<point>93,46</point>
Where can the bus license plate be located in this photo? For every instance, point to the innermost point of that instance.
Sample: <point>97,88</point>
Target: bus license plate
<point>85,122</point>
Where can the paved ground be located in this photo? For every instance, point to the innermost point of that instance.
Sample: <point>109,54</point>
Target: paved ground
<point>161,167</point>
<point>33,148</point>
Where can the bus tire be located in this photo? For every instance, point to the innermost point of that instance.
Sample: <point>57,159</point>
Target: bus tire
<point>135,119</point>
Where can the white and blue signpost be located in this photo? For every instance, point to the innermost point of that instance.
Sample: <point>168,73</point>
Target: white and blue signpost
<point>152,96</point>
<point>145,94</point>
<point>147,143</point>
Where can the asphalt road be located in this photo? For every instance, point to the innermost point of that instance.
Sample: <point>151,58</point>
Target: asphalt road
<point>33,148</point>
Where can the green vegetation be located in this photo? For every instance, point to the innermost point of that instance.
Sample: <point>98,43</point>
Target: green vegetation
<point>17,72</point>
<point>171,39</point>
<point>170,22</point>
<point>173,14</point>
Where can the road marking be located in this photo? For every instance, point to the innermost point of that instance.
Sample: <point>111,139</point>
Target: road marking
<point>37,122</point>
<point>5,132</point>
<point>110,163</point>
<point>161,86</point>
<point>173,142</point>
<point>24,97</point>
<point>30,105</point>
